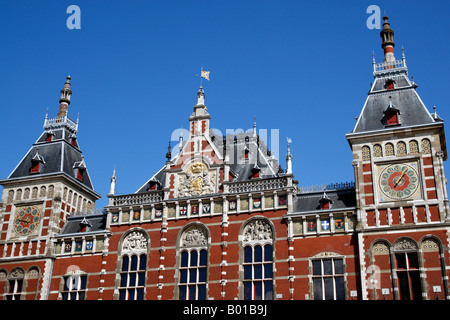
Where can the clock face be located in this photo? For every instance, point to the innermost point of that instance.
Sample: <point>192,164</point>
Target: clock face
<point>399,181</point>
<point>27,220</point>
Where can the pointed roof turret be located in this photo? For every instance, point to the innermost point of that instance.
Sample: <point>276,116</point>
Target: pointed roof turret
<point>392,90</point>
<point>56,151</point>
<point>66,93</point>
<point>387,37</point>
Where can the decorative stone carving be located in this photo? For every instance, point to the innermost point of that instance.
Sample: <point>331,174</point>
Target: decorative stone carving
<point>380,248</point>
<point>405,245</point>
<point>257,230</point>
<point>134,242</point>
<point>327,254</point>
<point>17,273</point>
<point>194,237</point>
<point>197,180</point>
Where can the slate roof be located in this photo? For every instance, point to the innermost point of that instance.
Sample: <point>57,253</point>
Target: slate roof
<point>403,97</point>
<point>310,201</point>
<point>74,224</point>
<point>240,169</point>
<point>58,156</point>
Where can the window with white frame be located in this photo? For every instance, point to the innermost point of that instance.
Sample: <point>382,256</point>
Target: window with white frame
<point>193,265</point>
<point>15,282</point>
<point>74,287</point>
<point>132,277</point>
<point>258,260</point>
<point>133,266</point>
<point>328,278</point>
<point>193,268</point>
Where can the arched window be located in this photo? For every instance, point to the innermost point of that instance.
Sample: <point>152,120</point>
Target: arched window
<point>425,146</point>
<point>401,148</point>
<point>389,149</point>
<point>377,151</point>
<point>407,269</point>
<point>15,282</point>
<point>193,266</point>
<point>365,153</point>
<point>74,285</point>
<point>413,147</point>
<point>10,196</point>
<point>328,278</point>
<point>133,266</point>
<point>258,260</point>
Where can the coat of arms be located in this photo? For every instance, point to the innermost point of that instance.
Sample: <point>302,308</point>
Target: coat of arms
<point>197,180</point>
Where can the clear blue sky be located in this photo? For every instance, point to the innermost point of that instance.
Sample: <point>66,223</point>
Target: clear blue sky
<point>303,67</point>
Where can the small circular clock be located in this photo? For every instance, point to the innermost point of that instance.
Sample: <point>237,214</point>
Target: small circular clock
<point>27,220</point>
<point>398,181</point>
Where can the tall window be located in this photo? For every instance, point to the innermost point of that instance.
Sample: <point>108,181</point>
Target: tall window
<point>408,275</point>
<point>133,266</point>
<point>258,272</point>
<point>328,279</point>
<point>74,287</point>
<point>15,282</point>
<point>193,267</point>
<point>406,254</point>
<point>192,285</point>
<point>258,260</point>
<point>132,277</point>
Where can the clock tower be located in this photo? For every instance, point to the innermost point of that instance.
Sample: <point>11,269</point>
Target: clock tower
<point>398,152</point>
<point>50,183</point>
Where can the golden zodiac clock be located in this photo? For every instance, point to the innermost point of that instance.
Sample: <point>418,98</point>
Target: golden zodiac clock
<point>399,181</point>
<point>27,220</point>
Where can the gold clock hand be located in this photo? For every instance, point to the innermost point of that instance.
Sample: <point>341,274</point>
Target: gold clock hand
<point>400,177</point>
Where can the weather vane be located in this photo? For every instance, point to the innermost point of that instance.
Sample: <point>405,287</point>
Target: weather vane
<point>203,75</point>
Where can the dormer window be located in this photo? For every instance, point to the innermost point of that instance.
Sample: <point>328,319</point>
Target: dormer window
<point>80,169</point>
<point>246,153</point>
<point>49,136</point>
<point>36,162</point>
<point>73,140</point>
<point>325,202</point>
<point>35,167</point>
<point>390,84</point>
<point>153,184</point>
<point>85,225</point>
<point>255,172</point>
<point>391,115</point>
<point>392,118</point>
<point>80,173</point>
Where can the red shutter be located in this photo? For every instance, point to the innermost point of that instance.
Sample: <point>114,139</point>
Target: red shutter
<point>392,118</point>
<point>49,137</point>
<point>255,175</point>
<point>35,167</point>
<point>325,205</point>
<point>80,174</point>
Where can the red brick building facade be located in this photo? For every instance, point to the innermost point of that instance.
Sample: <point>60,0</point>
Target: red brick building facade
<point>221,220</point>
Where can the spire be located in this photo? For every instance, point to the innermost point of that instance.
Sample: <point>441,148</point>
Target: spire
<point>254,125</point>
<point>387,43</point>
<point>289,157</point>
<point>112,188</point>
<point>169,153</point>
<point>66,93</point>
